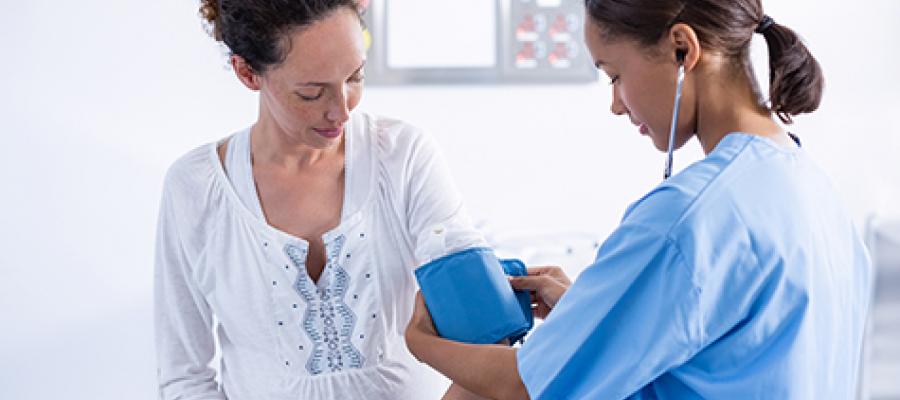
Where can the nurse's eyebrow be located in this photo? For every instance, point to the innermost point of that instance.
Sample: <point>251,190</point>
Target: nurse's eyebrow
<point>363,64</point>
<point>599,63</point>
<point>326,84</point>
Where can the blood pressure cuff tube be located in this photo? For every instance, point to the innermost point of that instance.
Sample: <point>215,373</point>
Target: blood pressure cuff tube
<point>470,299</point>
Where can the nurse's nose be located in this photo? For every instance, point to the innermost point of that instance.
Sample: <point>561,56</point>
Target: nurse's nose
<point>617,107</point>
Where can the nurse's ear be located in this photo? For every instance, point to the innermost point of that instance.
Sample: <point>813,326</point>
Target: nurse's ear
<point>687,51</point>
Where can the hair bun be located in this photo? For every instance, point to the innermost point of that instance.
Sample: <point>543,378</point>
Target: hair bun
<point>209,11</point>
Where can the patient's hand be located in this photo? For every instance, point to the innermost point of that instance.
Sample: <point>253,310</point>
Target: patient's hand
<point>546,284</point>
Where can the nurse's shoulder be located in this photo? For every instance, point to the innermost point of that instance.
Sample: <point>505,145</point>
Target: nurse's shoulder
<point>698,191</point>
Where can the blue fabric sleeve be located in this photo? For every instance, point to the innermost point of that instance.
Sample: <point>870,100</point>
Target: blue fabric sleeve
<point>628,318</point>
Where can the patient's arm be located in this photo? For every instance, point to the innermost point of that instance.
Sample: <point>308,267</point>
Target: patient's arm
<point>456,392</point>
<point>488,370</point>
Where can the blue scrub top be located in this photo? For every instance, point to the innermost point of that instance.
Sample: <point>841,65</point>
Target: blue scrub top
<point>742,277</point>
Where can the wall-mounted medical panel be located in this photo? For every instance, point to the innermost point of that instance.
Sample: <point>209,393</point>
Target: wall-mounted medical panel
<point>477,41</point>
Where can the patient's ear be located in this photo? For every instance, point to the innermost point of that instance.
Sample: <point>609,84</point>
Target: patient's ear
<point>245,72</point>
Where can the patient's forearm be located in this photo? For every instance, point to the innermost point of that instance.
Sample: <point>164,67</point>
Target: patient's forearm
<point>456,392</point>
<point>485,370</point>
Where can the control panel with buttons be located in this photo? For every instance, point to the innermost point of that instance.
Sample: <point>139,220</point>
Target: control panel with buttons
<point>477,41</point>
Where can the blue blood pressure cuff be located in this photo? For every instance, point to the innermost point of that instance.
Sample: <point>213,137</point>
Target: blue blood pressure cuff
<point>470,299</point>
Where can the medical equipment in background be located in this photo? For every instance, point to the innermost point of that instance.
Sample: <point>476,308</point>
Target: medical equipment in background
<point>571,250</point>
<point>476,41</point>
<point>881,351</point>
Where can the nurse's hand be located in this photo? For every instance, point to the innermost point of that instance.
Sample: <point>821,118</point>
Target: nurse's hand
<point>546,284</point>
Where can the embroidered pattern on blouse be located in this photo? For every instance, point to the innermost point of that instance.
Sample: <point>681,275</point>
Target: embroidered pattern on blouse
<point>327,321</point>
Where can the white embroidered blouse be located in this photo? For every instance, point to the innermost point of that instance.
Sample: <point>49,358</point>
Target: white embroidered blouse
<point>227,280</point>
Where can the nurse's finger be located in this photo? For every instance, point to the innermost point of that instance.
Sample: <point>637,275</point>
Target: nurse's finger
<point>535,283</point>
<point>542,270</point>
<point>553,271</point>
<point>540,310</point>
<point>547,288</point>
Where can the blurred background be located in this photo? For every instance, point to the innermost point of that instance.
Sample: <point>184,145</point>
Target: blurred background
<point>101,97</point>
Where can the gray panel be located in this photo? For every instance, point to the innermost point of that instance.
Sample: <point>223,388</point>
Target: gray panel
<point>534,44</point>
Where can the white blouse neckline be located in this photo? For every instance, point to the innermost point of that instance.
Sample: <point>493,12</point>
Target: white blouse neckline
<point>351,214</point>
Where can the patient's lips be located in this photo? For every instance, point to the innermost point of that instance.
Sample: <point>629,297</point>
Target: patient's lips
<point>329,133</point>
<point>644,130</point>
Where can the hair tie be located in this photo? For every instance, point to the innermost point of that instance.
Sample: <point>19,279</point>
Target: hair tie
<point>764,24</point>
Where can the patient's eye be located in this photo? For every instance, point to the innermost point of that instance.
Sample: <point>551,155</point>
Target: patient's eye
<point>310,93</point>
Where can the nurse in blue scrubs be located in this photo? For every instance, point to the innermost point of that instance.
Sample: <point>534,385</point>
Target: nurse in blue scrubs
<point>742,276</point>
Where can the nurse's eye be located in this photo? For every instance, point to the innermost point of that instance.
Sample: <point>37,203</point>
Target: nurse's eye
<point>357,78</point>
<point>310,94</point>
<point>613,79</point>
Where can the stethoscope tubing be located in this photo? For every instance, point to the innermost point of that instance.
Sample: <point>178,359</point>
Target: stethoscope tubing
<point>668,171</point>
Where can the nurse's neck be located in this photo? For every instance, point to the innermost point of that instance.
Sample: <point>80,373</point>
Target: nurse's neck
<point>727,102</point>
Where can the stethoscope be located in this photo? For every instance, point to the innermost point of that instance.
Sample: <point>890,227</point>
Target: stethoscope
<point>679,56</point>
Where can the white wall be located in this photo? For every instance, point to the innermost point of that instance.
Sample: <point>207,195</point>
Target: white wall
<point>99,97</point>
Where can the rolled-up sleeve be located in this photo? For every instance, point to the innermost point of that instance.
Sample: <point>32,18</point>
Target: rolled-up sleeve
<point>437,219</point>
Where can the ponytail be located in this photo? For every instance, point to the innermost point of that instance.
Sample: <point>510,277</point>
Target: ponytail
<point>796,81</point>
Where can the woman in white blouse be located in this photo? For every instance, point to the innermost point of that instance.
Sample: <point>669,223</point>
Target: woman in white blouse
<point>289,246</point>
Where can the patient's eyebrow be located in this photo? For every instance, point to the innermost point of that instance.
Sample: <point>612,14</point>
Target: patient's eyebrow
<point>326,84</point>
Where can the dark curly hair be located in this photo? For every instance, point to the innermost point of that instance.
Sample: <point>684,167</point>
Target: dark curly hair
<point>257,30</point>
<point>796,81</point>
